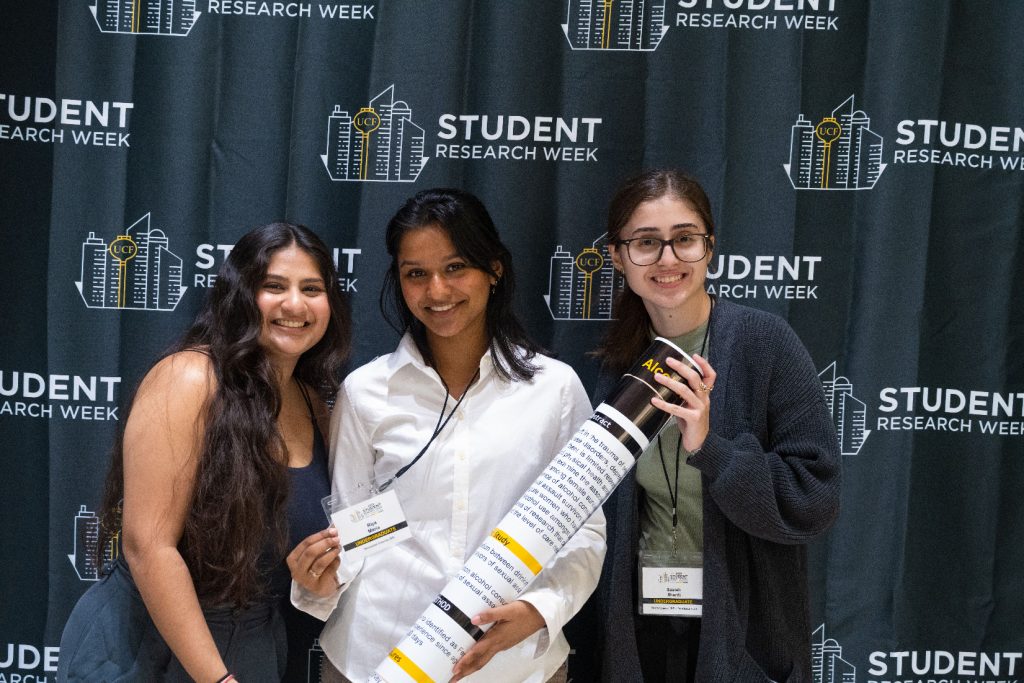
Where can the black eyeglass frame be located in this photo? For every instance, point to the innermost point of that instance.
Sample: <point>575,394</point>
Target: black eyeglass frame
<point>706,238</point>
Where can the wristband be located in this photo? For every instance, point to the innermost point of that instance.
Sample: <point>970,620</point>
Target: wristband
<point>226,677</point>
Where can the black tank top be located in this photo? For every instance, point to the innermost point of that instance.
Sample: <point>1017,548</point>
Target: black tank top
<point>308,485</point>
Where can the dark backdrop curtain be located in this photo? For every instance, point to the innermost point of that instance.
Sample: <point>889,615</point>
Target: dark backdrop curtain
<point>864,161</point>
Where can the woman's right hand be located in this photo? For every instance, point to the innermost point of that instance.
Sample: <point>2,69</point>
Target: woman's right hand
<point>314,562</point>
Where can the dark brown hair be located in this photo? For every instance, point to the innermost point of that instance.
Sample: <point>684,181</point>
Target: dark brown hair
<point>238,509</point>
<point>475,238</point>
<point>628,334</point>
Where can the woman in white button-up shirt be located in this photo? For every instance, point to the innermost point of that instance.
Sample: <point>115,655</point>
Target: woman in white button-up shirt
<point>449,290</point>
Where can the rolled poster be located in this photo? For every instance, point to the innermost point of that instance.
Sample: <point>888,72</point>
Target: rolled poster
<point>571,488</point>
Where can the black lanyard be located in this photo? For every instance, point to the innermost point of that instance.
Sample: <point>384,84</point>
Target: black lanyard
<point>673,495</point>
<point>442,422</point>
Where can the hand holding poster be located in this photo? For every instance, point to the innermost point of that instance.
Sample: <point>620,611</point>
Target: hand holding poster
<point>578,480</point>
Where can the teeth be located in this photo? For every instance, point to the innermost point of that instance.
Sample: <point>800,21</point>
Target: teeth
<point>441,309</point>
<point>290,323</point>
<point>666,279</point>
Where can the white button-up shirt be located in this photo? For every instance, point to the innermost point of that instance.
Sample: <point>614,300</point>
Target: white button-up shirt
<point>499,440</point>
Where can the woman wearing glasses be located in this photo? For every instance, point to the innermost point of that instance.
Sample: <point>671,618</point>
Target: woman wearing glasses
<point>705,576</point>
<point>460,419</point>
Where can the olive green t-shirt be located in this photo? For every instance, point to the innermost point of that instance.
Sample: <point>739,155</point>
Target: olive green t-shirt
<point>656,530</point>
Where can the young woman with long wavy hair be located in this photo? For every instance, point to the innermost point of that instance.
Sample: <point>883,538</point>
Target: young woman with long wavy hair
<point>219,470</point>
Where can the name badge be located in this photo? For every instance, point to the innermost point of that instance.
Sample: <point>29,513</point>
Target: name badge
<point>372,525</point>
<point>672,587</point>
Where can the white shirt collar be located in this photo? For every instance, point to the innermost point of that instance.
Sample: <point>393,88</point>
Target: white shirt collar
<point>407,354</point>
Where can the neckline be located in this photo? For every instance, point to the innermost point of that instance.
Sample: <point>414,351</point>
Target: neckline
<point>318,438</point>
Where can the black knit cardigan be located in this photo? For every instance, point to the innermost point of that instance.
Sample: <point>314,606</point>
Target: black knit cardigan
<point>770,472</point>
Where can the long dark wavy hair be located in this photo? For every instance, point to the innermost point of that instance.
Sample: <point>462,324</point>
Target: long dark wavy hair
<point>470,228</point>
<point>238,507</point>
<point>629,333</point>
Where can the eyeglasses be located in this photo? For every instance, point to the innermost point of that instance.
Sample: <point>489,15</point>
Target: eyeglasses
<point>646,251</point>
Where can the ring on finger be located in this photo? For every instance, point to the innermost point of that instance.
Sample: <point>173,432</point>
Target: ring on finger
<point>704,388</point>
<point>315,575</point>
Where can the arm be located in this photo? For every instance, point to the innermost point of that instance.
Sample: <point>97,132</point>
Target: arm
<point>162,445</point>
<point>564,585</point>
<point>782,486</point>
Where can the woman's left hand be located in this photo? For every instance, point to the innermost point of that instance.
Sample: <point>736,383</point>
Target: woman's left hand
<point>513,623</point>
<point>694,414</point>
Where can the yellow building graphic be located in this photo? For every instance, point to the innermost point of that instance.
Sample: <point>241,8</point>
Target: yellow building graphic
<point>584,286</point>
<point>615,24</point>
<point>380,142</point>
<point>145,17</point>
<point>136,270</point>
<point>840,152</point>
<point>84,554</point>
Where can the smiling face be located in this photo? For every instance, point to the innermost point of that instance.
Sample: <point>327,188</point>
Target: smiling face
<point>293,301</point>
<point>442,290</point>
<point>672,290</point>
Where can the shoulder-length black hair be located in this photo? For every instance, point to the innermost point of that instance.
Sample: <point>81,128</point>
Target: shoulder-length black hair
<point>629,332</point>
<point>238,507</point>
<point>470,228</point>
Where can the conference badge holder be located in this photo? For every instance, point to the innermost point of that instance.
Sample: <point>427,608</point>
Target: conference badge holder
<point>374,523</point>
<point>671,583</point>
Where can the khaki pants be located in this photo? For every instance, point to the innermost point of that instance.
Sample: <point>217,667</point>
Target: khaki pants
<point>329,674</point>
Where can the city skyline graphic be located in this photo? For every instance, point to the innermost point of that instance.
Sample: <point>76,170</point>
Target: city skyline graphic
<point>315,663</point>
<point>86,538</point>
<point>136,270</point>
<point>583,286</point>
<point>379,143</point>
<point>827,663</point>
<point>147,17</point>
<point>840,152</point>
<point>848,412</point>
<point>637,25</point>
